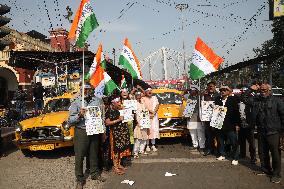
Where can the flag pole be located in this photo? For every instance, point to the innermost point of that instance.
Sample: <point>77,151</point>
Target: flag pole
<point>199,98</point>
<point>83,79</point>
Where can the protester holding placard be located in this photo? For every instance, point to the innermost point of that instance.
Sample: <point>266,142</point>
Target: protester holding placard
<point>119,135</point>
<point>209,95</point>
<point>85,145</point>
<point>231,124</point>
<point>152,104</point>
<point>142,126</point>
<point>196,129</point>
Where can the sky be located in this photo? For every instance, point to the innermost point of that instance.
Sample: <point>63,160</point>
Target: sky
<point>232,28</point>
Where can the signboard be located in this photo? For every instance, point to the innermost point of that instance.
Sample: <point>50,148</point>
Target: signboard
<point>276,8</point>
<point>127,115</point>
<point>189,108</point>
<point>145,122</point>
<point>218,116</point>
<point>130,104</point>
<point>206,110</point>
<point>93,120</point>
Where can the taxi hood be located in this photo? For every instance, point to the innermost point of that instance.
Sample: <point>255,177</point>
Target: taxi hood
<point>49,119</point>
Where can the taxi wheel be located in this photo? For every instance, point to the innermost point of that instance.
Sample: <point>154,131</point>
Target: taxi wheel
<point>26,153</point>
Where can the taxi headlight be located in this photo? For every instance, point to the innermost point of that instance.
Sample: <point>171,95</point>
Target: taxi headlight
<point>18,127</point>
<point>66,125</point>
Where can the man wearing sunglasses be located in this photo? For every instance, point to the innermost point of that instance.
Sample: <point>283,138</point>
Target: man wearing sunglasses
<point>268,116</point>
<point>231,124</point>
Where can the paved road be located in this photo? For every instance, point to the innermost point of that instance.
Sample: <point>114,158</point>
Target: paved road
<point>55,170</point>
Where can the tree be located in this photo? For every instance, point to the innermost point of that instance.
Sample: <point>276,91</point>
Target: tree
<point>274,45</point>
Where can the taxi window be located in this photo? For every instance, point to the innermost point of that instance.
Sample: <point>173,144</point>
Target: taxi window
<point>57,105</point>
<point>169,98</point>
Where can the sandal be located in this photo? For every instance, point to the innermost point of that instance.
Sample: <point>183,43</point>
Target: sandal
<point>136,156</point>
<point>122,168</point>
<point>118,171</point>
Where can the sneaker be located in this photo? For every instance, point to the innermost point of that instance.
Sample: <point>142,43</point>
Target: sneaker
<point>154,149</point>
<point>148,149</point>
<point>220,158</point>
<point>275,179</point>
<point>235,162</point>
<point>98,178</point>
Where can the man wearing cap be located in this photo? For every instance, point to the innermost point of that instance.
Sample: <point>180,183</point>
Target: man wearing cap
<point>85,145</point>
<point>231,123</point>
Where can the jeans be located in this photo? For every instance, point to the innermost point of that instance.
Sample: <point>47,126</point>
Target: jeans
<point>232,138</point>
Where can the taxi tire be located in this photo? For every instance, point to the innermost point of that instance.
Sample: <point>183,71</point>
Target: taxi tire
<point>26,152</point>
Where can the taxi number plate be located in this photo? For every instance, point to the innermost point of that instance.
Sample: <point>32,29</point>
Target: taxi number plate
<point>171,134</point>
<point>42,147</point>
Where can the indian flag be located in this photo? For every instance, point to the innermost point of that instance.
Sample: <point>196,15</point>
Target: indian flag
<point>129,61</point>
<point>83,24</point>
<point>123,82</point>
<point>100,80</point>
<point>93,67</point>
<point>204,60</point>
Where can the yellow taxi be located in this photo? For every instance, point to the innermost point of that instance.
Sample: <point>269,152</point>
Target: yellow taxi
<point>49,130</point>
<point>170,112</point>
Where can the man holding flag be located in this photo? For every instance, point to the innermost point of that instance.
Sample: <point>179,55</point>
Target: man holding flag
<point>84,145</point>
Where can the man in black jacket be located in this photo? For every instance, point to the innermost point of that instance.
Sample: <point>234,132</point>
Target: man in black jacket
<point>268,116</point>
<point>210,94</point>
<point>231,124</point>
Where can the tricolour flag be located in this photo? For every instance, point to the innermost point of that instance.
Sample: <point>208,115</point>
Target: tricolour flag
<point>123,82</point>
<point>129,61</point>
<point>83,24</point>
<point>204,60</point>
<point>96,61</point>
<point>100,80</point>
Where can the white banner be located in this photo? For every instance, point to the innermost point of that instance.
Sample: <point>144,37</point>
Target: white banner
<point>127,115</point>
<point>189,108</point>
<point>145,122</point>
<point>218,116</point>
<point>130,104</point>
<point>93,120</point>
<point>206,110</point>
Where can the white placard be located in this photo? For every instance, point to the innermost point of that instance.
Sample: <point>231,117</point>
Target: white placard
<point>218,116</point>
<point>145,122</point>
<point>127,115</point>
<point>242,108</point>
<point>206,110</point>
<point>130,104</point>
<point>189,108</point>
<point>93,120</point>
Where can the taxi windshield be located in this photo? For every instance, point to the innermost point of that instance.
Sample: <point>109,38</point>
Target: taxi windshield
<point>57,105</point>
<point>169,98</point>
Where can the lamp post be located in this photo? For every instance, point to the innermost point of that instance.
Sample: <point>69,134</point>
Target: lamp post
<point>182,7</point>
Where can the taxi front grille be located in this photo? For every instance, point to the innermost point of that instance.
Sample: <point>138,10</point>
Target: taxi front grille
<point>173,122</point>
<point>44,133</point>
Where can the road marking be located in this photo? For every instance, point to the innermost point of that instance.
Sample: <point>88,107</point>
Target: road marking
<point>178,160</point>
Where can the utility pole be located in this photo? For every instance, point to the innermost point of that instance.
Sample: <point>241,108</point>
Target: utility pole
<point>182,7</point>
<point>113,52</point>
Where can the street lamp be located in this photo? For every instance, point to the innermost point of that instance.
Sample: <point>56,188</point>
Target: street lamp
<point>182,7</point>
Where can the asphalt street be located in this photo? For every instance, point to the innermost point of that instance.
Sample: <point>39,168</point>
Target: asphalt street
<point>55,169</point>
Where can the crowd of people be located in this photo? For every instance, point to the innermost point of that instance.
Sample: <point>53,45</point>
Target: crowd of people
<point>123,141</point>
<point>263,114</point>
